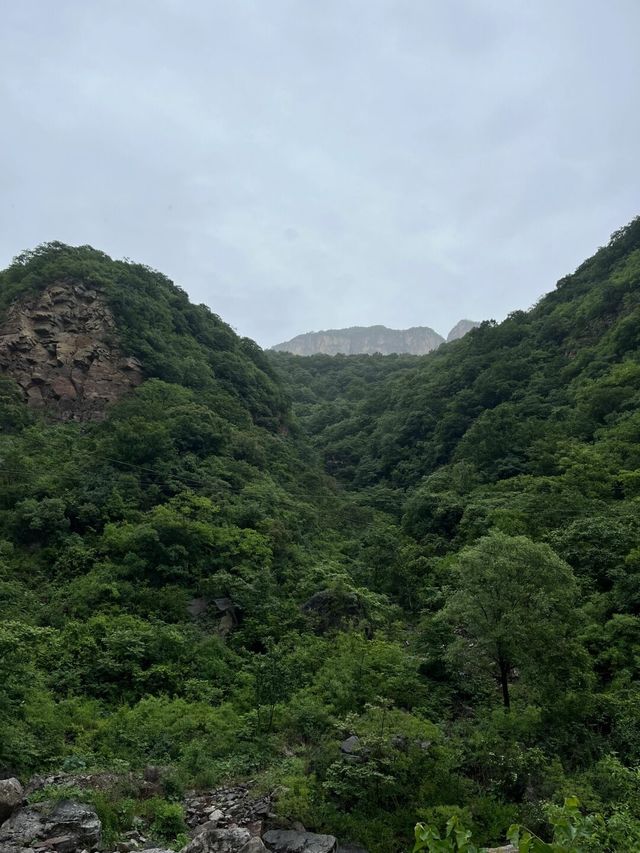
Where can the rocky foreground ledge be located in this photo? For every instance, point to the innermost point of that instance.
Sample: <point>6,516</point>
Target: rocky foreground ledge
<point>227,820</point>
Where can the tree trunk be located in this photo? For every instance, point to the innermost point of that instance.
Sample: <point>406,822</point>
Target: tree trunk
<point>504,683</point>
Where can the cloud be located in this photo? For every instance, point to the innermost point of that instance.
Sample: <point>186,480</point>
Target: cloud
<point>298,165</point>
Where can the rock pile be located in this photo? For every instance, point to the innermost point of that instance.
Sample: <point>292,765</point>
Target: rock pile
<point>226,820</point>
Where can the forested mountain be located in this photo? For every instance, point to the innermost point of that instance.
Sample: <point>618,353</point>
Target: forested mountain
<point>388,588</point>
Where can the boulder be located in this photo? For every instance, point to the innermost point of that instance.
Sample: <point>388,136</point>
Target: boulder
<point>203,827</point>
<point>70,825</point>
<point>156,850</point>
<point>11,795</point>
<point>290,841</point>
<point>214,840</point>
<point>254,845</point>
<point>350,745</point>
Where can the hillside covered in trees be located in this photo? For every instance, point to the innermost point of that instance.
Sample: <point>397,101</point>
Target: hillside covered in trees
<point>387,588</point>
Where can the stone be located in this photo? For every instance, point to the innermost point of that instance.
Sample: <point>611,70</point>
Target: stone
<point>218,841</point>
<point>127,846</point>
<point>46,821</point>
<point>254,845</point>
<point>62,386</point>
<point>60,346</point>
<point>203,827</point>
<point>157,850</point>
<point>60,844</point>
<point>349,745</point>
<point>11,795</point>
<point>290,841</point>
<point>255,827</point>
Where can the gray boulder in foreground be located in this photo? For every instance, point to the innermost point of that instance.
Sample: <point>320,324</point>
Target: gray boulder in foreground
<point>254,845</point>
<point>11,795</point>
<point>73,825</point>
<point>218,841</point>
<point>290,841</point>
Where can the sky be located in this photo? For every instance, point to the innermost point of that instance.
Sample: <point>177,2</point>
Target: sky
<point>309,164</point>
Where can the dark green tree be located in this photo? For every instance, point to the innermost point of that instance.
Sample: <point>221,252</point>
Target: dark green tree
<point>511,610</point>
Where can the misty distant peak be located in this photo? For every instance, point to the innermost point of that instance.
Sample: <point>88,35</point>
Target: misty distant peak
<point>367,340</point>
<point>461,328</point>
<point>364,340</point>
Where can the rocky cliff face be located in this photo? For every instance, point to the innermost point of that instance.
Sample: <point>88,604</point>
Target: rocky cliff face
<point>460,329</point>
<point>60,347</point>
<point>364,339</point>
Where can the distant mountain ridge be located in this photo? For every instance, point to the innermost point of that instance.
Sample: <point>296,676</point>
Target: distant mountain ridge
<point>367,340</point>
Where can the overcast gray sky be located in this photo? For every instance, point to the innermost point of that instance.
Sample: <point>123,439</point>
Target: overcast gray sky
<point>309,164</point>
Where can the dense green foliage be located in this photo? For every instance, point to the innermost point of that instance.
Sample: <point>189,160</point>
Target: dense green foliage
<point>438,554</point>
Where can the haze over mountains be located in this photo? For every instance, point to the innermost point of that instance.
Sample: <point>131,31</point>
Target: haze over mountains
<point>367,340</point>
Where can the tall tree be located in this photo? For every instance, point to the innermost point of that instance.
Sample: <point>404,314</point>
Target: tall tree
<point>512,609</point>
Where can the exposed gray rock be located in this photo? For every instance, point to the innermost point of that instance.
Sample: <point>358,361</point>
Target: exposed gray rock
<point>461,328</point>
<point>204,827</point>
<point>227,806</point>
<point>350,744</point>
<point>156,850</point>
<point>70,825</point>
<point>219,841</point>
<point>290,841</point>
<point>16,848</point>
<point>11,795</point>
<point>254,845</point>
<point>364,339</point>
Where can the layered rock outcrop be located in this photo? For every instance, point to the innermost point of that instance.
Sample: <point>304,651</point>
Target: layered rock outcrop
<point>364,340</point>
<point>367,340</point>
<point>60,346</point>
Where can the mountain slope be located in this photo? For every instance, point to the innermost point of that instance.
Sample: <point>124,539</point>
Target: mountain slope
<point>416,594</point>
<point>491,395</point>
<point>145,316</point>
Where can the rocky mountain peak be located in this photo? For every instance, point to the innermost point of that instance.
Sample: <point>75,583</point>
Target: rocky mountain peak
<point>460,329</point>
<point>60,346</point>
<point>366,340</point>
